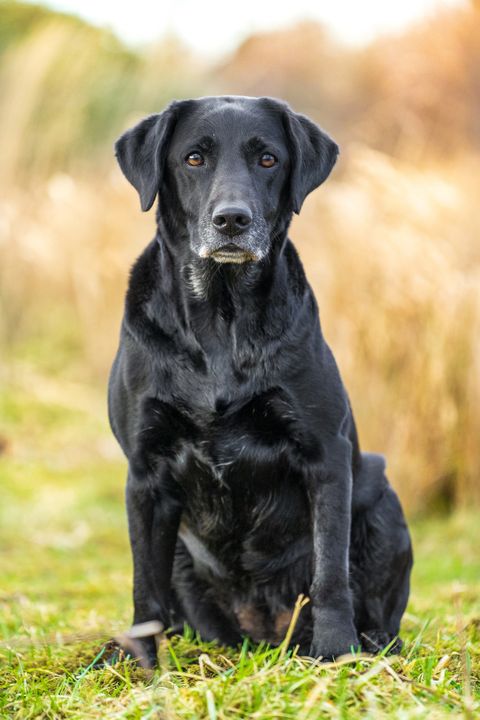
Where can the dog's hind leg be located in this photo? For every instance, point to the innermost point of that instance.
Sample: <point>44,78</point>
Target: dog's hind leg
<point>196,603</point>
<point>380,558</point>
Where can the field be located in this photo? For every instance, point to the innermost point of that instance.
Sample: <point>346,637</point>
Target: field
<point>391,246</point>
<point>66,589</point>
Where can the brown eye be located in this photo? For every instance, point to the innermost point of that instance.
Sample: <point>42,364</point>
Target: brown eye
<point>194,159</point>
<point>268,160</point>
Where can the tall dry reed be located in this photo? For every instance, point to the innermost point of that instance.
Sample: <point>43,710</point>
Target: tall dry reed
<point>391,247</point>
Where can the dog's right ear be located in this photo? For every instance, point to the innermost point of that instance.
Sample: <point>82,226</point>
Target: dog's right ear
<point>141,153</point>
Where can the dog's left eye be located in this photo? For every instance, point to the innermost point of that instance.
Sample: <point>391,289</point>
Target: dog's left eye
<point>194,159</point>
<point>268,160</point>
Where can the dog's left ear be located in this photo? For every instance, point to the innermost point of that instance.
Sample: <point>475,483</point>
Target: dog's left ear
<point>141,153</point>
<point>313,156</point>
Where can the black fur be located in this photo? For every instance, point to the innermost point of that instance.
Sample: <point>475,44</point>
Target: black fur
<point>246,484</point>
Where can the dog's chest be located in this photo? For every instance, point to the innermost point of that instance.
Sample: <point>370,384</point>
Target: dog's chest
<point>240,514</point>
<point>238,467</point>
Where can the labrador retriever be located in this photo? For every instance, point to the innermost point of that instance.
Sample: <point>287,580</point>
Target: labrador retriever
<point>246,485</point>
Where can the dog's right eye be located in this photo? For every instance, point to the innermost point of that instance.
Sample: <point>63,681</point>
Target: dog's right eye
<point>194,159</point>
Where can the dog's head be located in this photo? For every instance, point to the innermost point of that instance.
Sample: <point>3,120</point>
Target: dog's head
<point>236,165</point>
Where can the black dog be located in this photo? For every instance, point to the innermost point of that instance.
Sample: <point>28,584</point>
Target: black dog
<point>246,484</point>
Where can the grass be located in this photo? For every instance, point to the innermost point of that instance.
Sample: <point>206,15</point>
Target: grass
<point>65,588</point>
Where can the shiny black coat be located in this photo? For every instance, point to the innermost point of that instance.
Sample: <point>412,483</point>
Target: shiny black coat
<point>246,484</point>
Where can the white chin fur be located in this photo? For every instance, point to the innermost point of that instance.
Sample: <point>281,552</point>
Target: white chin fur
<point>237,259</point>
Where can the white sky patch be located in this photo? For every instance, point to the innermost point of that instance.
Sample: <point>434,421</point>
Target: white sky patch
<point>212,27</point>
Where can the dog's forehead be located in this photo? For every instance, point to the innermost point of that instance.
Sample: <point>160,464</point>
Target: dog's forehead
<point>230,117</point>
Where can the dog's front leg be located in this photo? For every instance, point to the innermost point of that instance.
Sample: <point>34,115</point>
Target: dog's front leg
<point>334,632</point>
<point>153,520</point>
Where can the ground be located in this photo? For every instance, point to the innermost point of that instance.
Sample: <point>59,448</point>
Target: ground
<point>65,588</point>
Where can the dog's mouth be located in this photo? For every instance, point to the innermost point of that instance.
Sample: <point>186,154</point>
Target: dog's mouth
<point>232,254</point>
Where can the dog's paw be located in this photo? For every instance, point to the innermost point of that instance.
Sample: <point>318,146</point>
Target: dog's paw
<point>333,636</point>
<point>332,648</point>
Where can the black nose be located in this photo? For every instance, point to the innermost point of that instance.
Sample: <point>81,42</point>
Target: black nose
<point>232,219</point>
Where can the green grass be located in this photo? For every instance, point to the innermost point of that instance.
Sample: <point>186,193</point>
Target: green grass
<point>65,587</point>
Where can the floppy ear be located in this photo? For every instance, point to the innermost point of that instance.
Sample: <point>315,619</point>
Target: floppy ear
<point>313,156</point>
<point>141,153</point>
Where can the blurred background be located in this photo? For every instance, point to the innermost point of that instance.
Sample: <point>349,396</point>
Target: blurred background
<point>391,243</point>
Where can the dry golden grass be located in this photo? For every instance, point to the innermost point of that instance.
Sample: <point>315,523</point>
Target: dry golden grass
<point>391,246</point>
<point>391,252</point>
